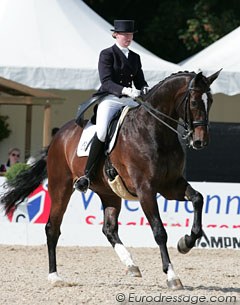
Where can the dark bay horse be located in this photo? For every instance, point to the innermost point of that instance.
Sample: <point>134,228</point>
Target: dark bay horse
<point>148,157</point>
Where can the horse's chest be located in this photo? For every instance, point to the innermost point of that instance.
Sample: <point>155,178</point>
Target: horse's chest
<point>171,164</point>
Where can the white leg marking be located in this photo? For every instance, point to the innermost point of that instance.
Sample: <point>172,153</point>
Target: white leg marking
<point>171,274</point>
<point>54,277</point>
<point>124,255</point>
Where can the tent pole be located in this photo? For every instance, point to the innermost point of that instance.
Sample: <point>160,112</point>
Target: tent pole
<point>28,131</point>
<point>46,124</point>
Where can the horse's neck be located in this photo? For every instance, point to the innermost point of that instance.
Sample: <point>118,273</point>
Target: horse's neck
<point>156,129</point>
<point>167,94</point>
<point>164,102</point>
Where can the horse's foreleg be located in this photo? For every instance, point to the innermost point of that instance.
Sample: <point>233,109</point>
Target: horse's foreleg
<point>151,211</point>
<point>187,242</point>
<point>110,230</point>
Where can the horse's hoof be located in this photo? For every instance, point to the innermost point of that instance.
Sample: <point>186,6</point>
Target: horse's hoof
<point>134,271</point>
<point>182,247</point>
<point>54,278</point>
<point>175,284</point>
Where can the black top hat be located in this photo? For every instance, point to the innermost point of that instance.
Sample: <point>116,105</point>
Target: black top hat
<point>124,26</point>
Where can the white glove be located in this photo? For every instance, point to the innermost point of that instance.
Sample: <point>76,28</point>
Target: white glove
<point>144,90</point>
<point>131,92</point>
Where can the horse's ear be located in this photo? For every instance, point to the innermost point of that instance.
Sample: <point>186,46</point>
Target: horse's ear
<point>198,77</point>
<point>212,77</point>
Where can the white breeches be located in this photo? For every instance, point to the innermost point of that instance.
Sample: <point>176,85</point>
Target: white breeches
<point>106,110</point>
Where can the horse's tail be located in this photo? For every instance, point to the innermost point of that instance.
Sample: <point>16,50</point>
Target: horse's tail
<point>24,184</point>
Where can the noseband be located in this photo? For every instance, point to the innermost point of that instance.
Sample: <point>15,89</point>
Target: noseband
<point>187,124</point>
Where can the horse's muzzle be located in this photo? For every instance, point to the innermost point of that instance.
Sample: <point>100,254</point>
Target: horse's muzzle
<point>198,144</point>
<point>200,137</point>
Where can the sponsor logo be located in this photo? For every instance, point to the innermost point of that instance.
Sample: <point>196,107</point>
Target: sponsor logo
<point>35,209</point>
<point>218,242</point>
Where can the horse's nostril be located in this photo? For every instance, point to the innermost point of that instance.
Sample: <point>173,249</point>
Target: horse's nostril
<point>198,144</point>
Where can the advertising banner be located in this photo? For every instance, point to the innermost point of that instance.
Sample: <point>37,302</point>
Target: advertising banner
<point>82,224</point>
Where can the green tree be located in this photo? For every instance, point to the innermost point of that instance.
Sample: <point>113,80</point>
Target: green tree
<point>15,169</point>
<point>211,20</point>
<point>173,29</point>
<point>4,128</point>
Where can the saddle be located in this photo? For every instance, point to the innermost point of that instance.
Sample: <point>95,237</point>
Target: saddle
<point>89,130</point>
<point>85,106</point>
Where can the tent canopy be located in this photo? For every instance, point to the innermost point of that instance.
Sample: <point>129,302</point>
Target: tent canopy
<point>224,53</point>
<point>56,44</point>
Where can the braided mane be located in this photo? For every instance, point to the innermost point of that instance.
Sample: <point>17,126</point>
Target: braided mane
<point>179,73</point>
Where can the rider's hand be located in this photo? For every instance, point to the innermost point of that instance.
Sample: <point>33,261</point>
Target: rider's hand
<point>131,92</point>
<point>144,90</point>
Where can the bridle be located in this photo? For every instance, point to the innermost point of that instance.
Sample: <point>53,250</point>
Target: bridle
<point>186,99</point>
<point>187,125</point>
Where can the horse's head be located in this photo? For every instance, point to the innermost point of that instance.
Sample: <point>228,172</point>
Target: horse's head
<point>197,103</point>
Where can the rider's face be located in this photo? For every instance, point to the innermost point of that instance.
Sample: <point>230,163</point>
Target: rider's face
<point>124,39</point>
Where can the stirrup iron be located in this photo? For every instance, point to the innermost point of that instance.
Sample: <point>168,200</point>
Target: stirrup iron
<point>82,184</point>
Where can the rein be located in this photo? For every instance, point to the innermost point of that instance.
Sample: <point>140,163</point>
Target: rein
<point>151,111</point>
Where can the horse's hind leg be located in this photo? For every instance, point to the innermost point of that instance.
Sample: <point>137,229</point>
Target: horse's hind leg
<point>112,207</point>
<point>60,196</point>
<point>187,242</point>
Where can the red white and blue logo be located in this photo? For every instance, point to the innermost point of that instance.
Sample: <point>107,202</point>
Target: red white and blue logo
<point>35,209</point>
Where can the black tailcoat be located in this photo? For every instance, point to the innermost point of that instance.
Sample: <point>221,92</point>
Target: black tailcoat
<point>117,71</point>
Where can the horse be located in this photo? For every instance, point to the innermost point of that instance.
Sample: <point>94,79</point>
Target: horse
<point>149,158</point>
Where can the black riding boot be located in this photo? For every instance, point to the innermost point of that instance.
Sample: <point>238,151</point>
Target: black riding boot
<point>82,184</point>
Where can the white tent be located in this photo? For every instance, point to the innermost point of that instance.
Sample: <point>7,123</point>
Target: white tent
<point>56,44</point>
<point>223,53</point>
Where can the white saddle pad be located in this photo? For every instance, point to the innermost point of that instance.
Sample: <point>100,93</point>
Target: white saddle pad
<point>84,143</point>
<point>89,131</point>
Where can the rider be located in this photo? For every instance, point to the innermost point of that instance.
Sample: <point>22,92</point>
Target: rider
<point>119,68</point>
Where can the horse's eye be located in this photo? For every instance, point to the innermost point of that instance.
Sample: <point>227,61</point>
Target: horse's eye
<point>194,104</point>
